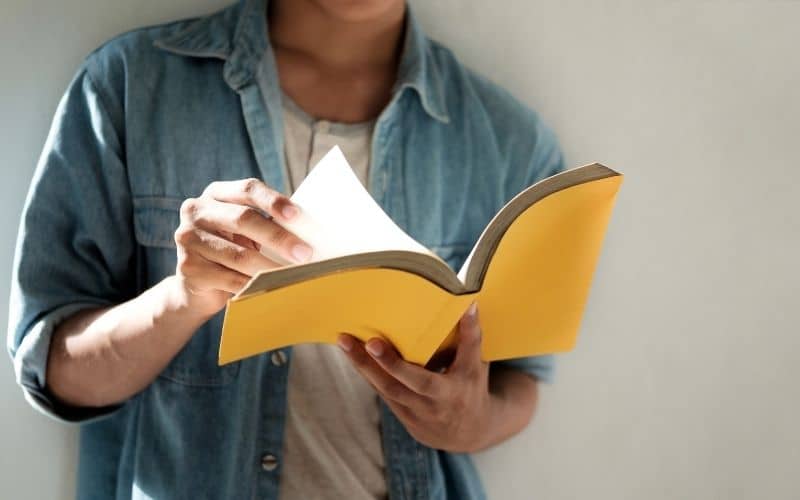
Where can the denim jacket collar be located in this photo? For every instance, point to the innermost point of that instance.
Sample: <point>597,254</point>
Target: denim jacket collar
<point>239,36</point>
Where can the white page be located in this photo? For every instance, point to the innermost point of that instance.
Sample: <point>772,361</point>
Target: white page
<point>462,273</point>
<point>339,217</point>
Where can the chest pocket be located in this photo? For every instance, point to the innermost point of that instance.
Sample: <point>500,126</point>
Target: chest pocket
<point>155,221</point>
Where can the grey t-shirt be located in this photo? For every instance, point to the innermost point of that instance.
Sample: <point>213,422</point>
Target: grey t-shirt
<point>332,444</point>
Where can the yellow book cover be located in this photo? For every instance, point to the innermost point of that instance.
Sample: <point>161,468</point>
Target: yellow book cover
<point>530,272</point>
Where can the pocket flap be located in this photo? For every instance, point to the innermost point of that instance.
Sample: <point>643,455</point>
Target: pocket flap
<point>155,219</point>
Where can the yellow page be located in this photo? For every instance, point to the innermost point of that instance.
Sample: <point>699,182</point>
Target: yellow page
<point>531,301</point>
<point>396,305</point>
<point>538,280</point>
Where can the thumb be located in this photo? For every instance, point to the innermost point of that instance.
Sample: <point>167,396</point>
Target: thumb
<point>468,348</point>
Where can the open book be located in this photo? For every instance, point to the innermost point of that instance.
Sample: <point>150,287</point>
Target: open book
<point>530,272</point>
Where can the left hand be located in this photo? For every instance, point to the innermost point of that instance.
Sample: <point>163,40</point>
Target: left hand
<point>450,410</point>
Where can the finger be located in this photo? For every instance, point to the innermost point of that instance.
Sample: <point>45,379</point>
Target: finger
<point>202,274</point>
<point>468,348</point>
<point>221,217</point>
<point>387,386</point>
<point>229,254</point>
<point>240,240</point>
<point>414,377</point>
<point>255,193</point>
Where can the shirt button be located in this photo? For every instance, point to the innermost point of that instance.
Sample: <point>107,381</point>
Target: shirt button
<point>278,358</point>
<point>269,462</point>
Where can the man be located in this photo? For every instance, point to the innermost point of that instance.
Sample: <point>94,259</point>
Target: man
<point>164,176</point>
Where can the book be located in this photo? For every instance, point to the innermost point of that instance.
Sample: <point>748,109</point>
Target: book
<point>529,271</point>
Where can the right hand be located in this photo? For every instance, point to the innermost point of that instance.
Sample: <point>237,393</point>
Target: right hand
<point>221,235</point>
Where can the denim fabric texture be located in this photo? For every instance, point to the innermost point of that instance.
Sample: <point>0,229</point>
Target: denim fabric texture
<point>151,118</point>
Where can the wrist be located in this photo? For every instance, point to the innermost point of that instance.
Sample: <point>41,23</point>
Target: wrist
<point>481,432</point>
<point>512,402</point>
<point>495,412</point>
<point>180,299</point>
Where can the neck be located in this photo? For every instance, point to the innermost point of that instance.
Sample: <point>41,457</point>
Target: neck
<point>336,42</point>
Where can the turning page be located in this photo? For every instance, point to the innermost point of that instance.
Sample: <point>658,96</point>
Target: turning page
<point>339,217</point>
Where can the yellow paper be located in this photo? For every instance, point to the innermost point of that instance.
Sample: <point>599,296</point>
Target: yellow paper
<point>535,289</point>
<point>366,303</point>
<point>531,301</point>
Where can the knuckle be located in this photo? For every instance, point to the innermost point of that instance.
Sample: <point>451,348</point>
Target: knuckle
<point>185,264</point>
<point>427,385</point>
<point>476,372</point>
<point>279,237</point>
<point>239,255</point>
<point>184,235</point>
<point>251,186</point>
<point>189,208</point>
<point>467,371</point>
<point>477,338</point>
<point>276,202</point>
<point>245,216</point>
<point>237,282</point>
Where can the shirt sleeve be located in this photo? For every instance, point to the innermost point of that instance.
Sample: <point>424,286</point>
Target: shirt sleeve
<point>547,160</point>
<point>75,244</point>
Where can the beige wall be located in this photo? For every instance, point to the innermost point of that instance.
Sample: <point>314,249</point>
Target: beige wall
<point>684,381</point>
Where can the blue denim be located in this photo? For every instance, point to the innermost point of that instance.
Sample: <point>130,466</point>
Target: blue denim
<point>151,118</point>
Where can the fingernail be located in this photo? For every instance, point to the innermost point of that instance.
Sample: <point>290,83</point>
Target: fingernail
<point>345,342</point>
<point>375,347</point>
<point>301,252</point>
<point>289,211</point>
<point>472,310</point>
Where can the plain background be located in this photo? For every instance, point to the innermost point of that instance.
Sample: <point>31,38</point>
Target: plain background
<point>684,384</point>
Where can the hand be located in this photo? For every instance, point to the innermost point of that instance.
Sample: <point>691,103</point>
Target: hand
<point>221,235</point>
<point>450,410</point>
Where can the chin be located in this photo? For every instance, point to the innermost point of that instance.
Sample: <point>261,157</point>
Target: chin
<point>359,10</point>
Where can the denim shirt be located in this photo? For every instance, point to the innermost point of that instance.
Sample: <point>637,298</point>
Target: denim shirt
<point>151,118</point>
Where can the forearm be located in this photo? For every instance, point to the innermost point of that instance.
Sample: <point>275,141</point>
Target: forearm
<point>104,356</point>
<point>513,399</point>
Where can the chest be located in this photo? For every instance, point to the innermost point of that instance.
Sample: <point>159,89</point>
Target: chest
<point>429,177</point>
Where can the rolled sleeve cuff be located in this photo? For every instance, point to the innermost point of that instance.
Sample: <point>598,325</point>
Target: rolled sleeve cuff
<point>541,367</point>
<point>30,367</point>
